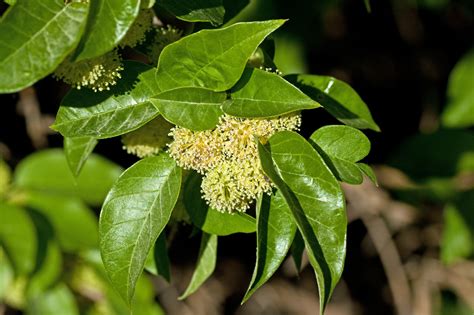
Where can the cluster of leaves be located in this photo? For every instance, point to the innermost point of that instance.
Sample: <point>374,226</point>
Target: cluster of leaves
<point>197,79</point>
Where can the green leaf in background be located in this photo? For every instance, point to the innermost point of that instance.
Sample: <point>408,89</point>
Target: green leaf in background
<point>48,272</point>
<point>341,147</point>
<point>213,59</point>
<point>206,264</point>
<point>316,202</point>
<point>275,232</point>
<point>110,113</point>
<point>107,24</point>
<point>367,6</point>
<point>337,97</point>
<point>158,262</point>
<point>6,275</point>
<point>75,225</point>
<point>18,237</point>
<point>263,94</point>
<point>135,212</point>
<point>47,171</point>
<point>33,31</point>
<point>212,11</point>
<point>5,177</point>
<point>77,151</point>
<point>210,220</point>
<point>57,300</point>
<point>460,109</point>
<point>192,108</point>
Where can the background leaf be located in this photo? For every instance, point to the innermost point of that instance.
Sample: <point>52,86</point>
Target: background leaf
<point>77,150</point>
<point>205,264</point>
<point>212,11</point>
<point>263,94</point>
<point>33,31</point>
<point>337,97</point>
<point>136,210</point>
<point>58,300</point>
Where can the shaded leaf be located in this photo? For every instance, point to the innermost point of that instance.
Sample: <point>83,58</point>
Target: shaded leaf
<point>369,172</point>
<point>33,31</point>
<point>213,59</point>
<point>206,264</point>
<point>264,94</point>
<point>135,212</point>
<point>77,151</point>
<point>192,108</point>
<point>48,272</point>
<point>158,262</point>
<point>212,11</point>
<point>316,201</point>
<point>297,249</point>
<point>338,98</point>
<point>110,113</point>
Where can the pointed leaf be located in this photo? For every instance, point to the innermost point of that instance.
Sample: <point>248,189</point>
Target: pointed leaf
<point>192,108</point>
<point>369,172</point>
<point>264,94</point>
<point>212,11</point>
<point>135,212</point>
<point>213,59</point>
<point>205,265</point>
<point>338,98</point>
<point>110,113</point>
<point>77,151</point>
<point>36,37</point>
<point>108,22</point>
<point>316,201</point>
<point>275,232</point>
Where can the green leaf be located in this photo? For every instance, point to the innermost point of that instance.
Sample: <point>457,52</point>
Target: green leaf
<point>316,201</point>
<point>75,225</point>
<point>47,171</point>
<point>206,264</point>
<point>341,147</point>
<point>213,59</point>
<point>369,172</point>
<point>297,249</point>
<point>210,220</point>
<point>48,272</point>
<point>135,212</point>
<point>58,300</point>
<point>85,113</point>
<point>18,237</point>
<point>367,6</point>
<point>264,94</point>
<point>192,108</point>
<point>460,109</point>
<point>5,178</point>
<point>275,232</point>
<point>36,37</point>
<point>212,11</point>
<point>338,98</point>
<point>77,151</point>
<point>6,275</point>
<point>158,262</point>
<point>108,22</point>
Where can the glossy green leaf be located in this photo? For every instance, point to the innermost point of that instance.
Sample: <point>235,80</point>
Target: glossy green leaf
<point>275,232</point>
<point>110,113</point>
<point>316,202</point>
<point>75,225</point>
<point>108,22</point>
<point>36,37</point>
<point>158,262</point>
<point>341,147</point>
<point>47,171</point>
<point>18,237</point>
<point>265,94</point>
<point>58,300</point>
<point>210,220</point>
<point>212,11</point>
<point>135,212</point>
<point>338,98</point>
<point>460,109</point>
<point>77,151</point>
<point>206,264</point>
<point>213,59</point>
<point>192,108</point>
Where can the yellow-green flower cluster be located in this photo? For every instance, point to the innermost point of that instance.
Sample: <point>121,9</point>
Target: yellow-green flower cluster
<point>136,33</point>
<point>98,73</point>
<point>149,139</point>
<point>228,158</point>
<point>164,36</point>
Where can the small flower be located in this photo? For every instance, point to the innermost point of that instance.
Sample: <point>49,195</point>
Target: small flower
<point>98,73</point>
<point>136,33</point>
<point>164,36</point>
<point>149,139</point>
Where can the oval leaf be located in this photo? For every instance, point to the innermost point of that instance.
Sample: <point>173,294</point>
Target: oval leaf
<point>212,11</point>
<point>275,232</point>
<point>316,202</point>
<point>77,150</point>
<point>264,94</point>
<point>206,264</point>
<point>338,98</point>
<point>192,108</point>
<point>213,59</point>
<point>33,31</point>
<point>110,113</point>
<point>108,22</point>
<point>135,212</point>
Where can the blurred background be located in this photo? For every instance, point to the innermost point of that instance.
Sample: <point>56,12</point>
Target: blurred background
<point>410,240</point>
